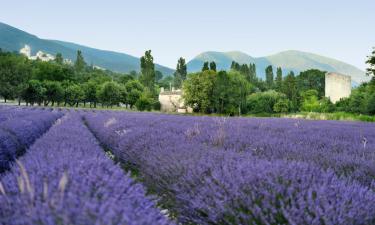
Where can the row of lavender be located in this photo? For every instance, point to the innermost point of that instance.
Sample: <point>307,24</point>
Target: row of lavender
<point>66,178</point>
<point>19,128</point>
<point>248,171</point>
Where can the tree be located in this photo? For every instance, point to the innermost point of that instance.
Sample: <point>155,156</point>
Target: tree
<point>15,70</point>
<point>269,76</point>
<point>371,62</point>
<point>59,59</point>
<point>253,73</point>
<point>33,92</point>
<point>371,104</point>
<point>213,66</point>
<point>282,106</point>
<point>310,102</point>
<point>90,90</point>
<point>147,77</point>
<point>279,79</point>
<point>53,92</point>
<point>110,93</point>
<point>52,71</point>
<point>134,90</point>
<point>144,103</point>
<point>73,95</point>
<point>158,76</point>
<point>181,72</point>
<point>198,91</point>
<point>205,66</point>
<point>264,102</point>
<point>235,66</point>
<point>80,63</point>
<point>289,88</point>
<point>311,79</point>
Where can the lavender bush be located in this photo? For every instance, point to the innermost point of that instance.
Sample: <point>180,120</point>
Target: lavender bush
<point>20,132</point>
<point>65,178</point>
<point>248,171</point>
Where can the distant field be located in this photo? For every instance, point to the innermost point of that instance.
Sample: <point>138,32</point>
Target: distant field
<point>59,164</point>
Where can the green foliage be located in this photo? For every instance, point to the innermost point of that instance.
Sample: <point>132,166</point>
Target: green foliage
<point>59,58</point>
<point>371,62</point>
<point>205,66</point>
<point>14,71</point>
<point>147,77</point>
<point>80,63</point>
<point>181,72</point>
<point>213,66</point>
<point>264,102</point>
<point>90,90</point>
<point>144,103</point>
<point>279,79</point>
<point>269,76</point>
<point>158,75</point>
<point>73,94</point>
<point>134,90</point>
<point>326,106</point>
<point>34,92</point>
<point>53,92</point>
<point>311,79</point>
<point>289,88</point>
<point>166,82</point>
<point>310,101</point>
<point>230,92</point>
<point>110,93</point>
<point>52,71</point>
<point>198,90</point>
<point>282,106</point>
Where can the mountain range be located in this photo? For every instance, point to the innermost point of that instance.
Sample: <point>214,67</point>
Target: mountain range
<point>13,39</point>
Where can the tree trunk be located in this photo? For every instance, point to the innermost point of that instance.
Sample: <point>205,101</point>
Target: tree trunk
<point>5,100</point>
<point>19,101</point>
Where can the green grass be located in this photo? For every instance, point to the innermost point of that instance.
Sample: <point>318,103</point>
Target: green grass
<point>331,116</point>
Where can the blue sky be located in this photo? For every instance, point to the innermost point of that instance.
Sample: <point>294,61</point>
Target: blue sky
<point>340,29</point>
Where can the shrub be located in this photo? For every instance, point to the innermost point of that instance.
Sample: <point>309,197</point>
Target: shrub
<point>263,102</point>
<point>282,106</point>
<point>144,103</point>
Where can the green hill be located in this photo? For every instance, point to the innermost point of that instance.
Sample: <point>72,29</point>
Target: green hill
<point>296,61</point>
<point>13,39</point>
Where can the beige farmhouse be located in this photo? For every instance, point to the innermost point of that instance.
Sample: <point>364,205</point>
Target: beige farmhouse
<point>172,101</point>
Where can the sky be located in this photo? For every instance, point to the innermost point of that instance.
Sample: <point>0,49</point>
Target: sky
<point>341,29</point>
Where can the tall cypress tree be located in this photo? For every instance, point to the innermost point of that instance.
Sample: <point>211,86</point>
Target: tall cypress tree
<point>80,63</point>
<point>147,77</point>
<point>371,62</point>
<point>180,73</point>
<point>59,59</point>
<point>213,66</point>
<point>269,76</point>
<point>289,88</point>
<point>205,66</point>
<point>279,79</point>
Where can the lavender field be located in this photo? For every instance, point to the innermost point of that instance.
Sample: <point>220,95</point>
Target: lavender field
<point>107,167</point>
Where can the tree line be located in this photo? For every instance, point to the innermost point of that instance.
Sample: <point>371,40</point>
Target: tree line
<point>240,91</point>
<point>56,83</point>
<point>234,92</point>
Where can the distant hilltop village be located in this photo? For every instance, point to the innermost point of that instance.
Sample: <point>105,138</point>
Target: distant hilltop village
<point>40,55</point>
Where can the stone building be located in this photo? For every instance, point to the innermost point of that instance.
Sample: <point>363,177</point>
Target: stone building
<point>337,86</point>
<point>45,57</point>
<point>172,101</point>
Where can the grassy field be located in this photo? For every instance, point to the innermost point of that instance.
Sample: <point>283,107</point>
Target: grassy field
<point>330,116</point>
